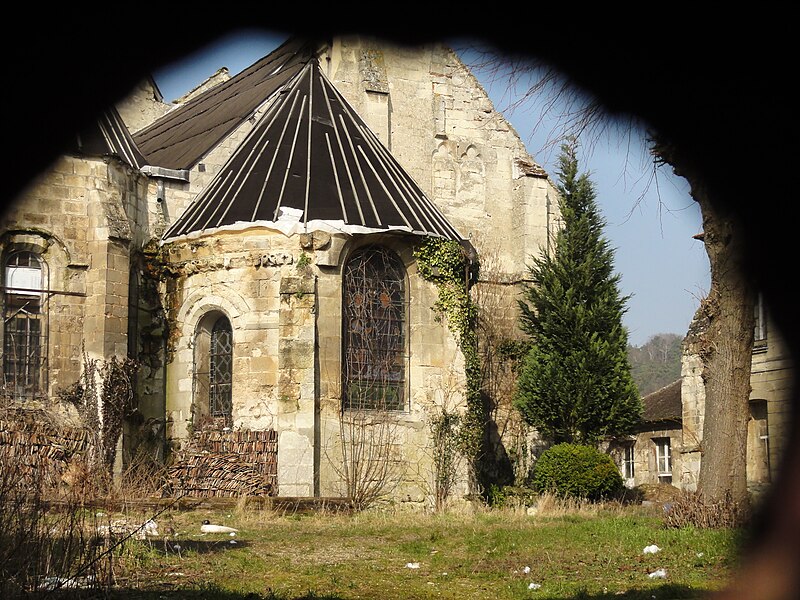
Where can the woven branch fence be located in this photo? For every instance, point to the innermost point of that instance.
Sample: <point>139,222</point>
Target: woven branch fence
<point>226,464</point>
<point>35,450</point>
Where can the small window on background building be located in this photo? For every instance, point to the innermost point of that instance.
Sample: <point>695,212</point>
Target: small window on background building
<point>758,464</point>
<point>373,369</point>
<point>663,459</point>
<point>24,326</point>
<point>760,329</point>
<point>628,469</point>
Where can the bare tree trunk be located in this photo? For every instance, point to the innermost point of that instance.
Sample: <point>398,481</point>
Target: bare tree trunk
<point>725,345</point>
<point>726,351</point>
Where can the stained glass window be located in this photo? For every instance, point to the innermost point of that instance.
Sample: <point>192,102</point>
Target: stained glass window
<point>374,331</point>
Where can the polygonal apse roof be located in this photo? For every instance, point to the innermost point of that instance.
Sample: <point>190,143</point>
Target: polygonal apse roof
<point>311,163</point>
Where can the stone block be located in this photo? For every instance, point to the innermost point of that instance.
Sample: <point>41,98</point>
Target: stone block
<point>304,422</point>
<point>298,286</point>
<point>263,364</point>
<point>295,451</point>
<point>295,354</point>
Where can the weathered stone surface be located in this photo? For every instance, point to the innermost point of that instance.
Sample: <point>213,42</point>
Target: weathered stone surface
<point>98,223</point>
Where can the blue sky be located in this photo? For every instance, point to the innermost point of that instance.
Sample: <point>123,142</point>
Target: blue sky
<point>650,222</point>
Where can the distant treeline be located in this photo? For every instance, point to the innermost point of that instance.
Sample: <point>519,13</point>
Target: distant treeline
<point>656,363</point>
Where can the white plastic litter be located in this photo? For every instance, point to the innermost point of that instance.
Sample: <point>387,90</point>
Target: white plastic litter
<point>526,570</point>
<point>151,528</point>
<point>412,565</point>
<point>207,527</point>
<point>660,574</point>
<point>652,549</point>
<point>55,583</point>
<point>534,586</point>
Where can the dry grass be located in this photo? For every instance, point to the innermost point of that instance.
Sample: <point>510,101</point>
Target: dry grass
<point>691,509</point>
<point>572,549</point>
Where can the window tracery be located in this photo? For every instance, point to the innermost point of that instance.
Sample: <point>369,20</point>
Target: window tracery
<point>374,337</point>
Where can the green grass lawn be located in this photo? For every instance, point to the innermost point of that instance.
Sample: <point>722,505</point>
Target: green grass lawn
<point>494,554</point>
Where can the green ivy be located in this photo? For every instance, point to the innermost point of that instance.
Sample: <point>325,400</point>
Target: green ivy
<point>303,261</point>
<point>445,264</point>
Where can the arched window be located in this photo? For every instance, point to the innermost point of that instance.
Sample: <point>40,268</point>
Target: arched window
<point>220,375</point>
<point>25,326</point>
<point>374,338</point>
<point>213,370</point>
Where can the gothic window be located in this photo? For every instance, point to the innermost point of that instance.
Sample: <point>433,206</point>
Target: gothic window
<point>24,326</point>
<point>374,338</point>
<point>220,375</point>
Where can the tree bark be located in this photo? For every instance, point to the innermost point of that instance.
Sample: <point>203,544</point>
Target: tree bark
<point>727,355</point>
<point>725,345</point>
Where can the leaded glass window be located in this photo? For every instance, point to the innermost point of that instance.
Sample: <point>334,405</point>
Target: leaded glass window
<point>374,319</point>
<point>24,326</point>
<point>220,376</point>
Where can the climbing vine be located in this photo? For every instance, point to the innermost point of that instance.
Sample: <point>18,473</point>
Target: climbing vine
<point>446,264</point>
<point>104,397</point>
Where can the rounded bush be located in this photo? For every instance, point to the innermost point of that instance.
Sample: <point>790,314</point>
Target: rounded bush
<point>571,470</point>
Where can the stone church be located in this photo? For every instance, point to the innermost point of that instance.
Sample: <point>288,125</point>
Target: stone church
<point>252,247</point>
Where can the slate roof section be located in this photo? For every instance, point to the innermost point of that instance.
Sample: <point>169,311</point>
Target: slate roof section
<point>311,163</point>
<point>664,404</point>
<point>108,136</point>
<point>181,138</point>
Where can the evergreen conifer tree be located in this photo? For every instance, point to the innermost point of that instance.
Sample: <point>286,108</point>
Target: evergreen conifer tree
<point>575,383</point>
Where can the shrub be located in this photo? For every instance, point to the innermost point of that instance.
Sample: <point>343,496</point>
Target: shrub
<point>692,509</point>
<point>510,496</point>
<point>570,470</point>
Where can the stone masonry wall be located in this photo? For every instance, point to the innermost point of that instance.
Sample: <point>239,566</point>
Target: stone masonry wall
<point>444,130</point>
<point>253,279</point>
<point>434,380</point>
<point>142,106</point>
<point>283,298</point>
<point>772,380</point>
<point>435,118</point>
<point>76,216</point>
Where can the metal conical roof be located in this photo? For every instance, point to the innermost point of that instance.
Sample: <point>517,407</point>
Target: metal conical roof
<point>311,163</point>
<point>108,136</point>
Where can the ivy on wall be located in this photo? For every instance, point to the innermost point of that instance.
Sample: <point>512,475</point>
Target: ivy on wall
<point>445,264</point>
